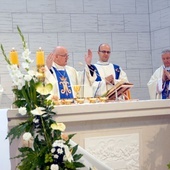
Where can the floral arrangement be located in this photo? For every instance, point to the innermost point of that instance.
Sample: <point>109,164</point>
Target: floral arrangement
<point>45,145</point>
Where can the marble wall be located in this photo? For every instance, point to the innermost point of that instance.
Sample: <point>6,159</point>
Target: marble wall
<point>137,30</point>
<point>159,28</point>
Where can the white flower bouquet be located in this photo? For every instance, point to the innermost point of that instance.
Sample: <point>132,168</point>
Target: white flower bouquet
<point>45,145</point>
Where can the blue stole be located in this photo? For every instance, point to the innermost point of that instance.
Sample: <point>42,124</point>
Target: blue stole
<point>166,91</point>
<point>116,69</point>
<point>64,85</point>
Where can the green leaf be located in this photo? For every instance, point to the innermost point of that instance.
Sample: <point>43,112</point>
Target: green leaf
<point>17,131</point>
<point>30,161</point>
<point>3,52</point>
<point>77,157</point>
<point>71,135</point>
<point>78,165</point>
<point>70,165</point>
<point>22,37</point>
<point>74,149</point>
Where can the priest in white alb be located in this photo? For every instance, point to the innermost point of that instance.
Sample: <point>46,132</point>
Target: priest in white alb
<point>64,77</point>
<point>105,74</point>
<point>159,83</point>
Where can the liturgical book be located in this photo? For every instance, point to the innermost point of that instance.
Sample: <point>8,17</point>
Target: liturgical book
<point>118,90</point>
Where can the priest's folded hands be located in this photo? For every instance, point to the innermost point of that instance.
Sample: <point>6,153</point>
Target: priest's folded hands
<point>166,75</point>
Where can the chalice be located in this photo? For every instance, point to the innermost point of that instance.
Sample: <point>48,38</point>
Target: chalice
<point>77,90</point>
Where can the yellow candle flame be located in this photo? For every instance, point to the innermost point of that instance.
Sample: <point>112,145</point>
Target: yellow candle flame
<point>40,57</point>
<point>14,57</point>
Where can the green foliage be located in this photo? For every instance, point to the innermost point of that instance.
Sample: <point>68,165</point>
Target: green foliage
<point>22,38</point>
<point>31,159</point>
<point>77,157</point>
<point>41,135</point>
<point>4,54</point>
<point>168,166</point>
<point>17,131</point>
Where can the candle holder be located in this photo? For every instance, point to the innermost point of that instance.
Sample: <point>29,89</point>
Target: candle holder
<point>41,72</point>
<point>40,64</point>
<point>14,57</point>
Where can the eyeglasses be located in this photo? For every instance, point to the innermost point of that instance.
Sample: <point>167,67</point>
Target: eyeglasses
<point>104,52</point>
<point>63,55</point>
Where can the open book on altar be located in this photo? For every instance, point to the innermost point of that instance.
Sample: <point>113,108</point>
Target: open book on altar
<point>118,90</point>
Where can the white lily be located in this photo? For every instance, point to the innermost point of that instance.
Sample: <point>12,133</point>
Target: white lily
<point>68,154</point>
<point>38,111</point>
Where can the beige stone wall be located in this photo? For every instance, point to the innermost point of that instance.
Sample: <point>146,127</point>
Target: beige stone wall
<point>135,29</point>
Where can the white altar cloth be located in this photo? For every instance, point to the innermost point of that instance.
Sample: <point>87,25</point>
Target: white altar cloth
<point>4,143</point>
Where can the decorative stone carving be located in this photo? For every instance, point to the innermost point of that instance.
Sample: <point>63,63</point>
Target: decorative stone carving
<point>121,152</point>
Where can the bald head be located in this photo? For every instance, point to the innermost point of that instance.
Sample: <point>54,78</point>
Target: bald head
<point>59,50</point>
<point>61,55</point>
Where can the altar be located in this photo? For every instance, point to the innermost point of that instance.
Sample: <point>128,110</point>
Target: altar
<point>124,134</point>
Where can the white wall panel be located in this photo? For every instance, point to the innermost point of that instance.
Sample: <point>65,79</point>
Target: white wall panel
<point>13,6</point>
<point>155,20</point>
<point>67,6</point>
<point>127,25</point>
<point>144,41</point>
<point>6,22</point>
<point>138,59</point>
<point>56,23</point>
<point>97,6</point>
<point>111,23</point>
<point>84,23</point>
<point>93,40</point>
<point>123,6</point>
<point>124,41</point>
<point>28,22</point>
<point>142,6</point>
<point>41,6</point>
<point>136,23</point>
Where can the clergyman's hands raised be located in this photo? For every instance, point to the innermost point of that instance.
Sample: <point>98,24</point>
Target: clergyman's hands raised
<point>49,60</point>
<point>88,57</point>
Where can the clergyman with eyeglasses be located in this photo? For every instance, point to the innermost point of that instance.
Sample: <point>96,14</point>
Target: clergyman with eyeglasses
<point>64,77</point>
<point>106,74</point>
<point>159,83</point>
